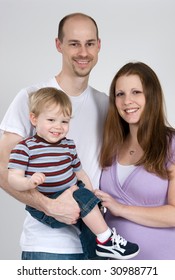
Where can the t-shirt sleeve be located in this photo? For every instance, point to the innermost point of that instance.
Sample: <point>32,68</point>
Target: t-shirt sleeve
<point>19,157</point>
<point>76,163</point>
<point>16,119</point>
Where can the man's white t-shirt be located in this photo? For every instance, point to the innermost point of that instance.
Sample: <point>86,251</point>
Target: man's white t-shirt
<point>86,128</point>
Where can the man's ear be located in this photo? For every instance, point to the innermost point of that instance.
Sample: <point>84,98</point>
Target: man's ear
<point>99,44</point>
<point>58,45</point>
<point>33,119</point>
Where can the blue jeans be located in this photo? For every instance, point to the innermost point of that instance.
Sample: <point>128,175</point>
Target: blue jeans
<point>51,256</point>
<point>86,201</point>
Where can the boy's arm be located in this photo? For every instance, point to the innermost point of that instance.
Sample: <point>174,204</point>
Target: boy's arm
<point>18,181</point>
<point>64,208</point>
<point>81,175</point>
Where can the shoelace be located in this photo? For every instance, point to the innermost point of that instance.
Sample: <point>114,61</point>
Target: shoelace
<point>117,239</point>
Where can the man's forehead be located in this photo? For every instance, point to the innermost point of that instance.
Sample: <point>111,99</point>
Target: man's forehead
<point>79,27</point>
<point>79,41</point>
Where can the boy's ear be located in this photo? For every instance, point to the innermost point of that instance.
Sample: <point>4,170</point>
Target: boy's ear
<point>33,119</point>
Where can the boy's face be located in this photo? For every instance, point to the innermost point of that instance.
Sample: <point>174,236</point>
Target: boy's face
<point>51,124</point>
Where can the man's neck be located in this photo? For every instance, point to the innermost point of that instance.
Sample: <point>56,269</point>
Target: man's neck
<point>72,86</point>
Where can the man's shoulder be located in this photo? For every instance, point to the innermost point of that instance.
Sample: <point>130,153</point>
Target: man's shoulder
<point>48,83</point>
<point>102,99</point>
<point>99,94</point>
<point>96,91</point>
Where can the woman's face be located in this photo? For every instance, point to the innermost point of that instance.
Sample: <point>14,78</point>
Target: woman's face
<point>129,98</point>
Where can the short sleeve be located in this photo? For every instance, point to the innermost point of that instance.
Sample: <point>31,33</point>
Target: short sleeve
<point>19,157</point>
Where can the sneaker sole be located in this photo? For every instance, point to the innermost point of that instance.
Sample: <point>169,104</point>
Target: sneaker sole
<point>117,257</point>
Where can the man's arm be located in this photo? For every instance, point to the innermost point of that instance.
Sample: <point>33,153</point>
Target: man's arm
<point>64,208</point>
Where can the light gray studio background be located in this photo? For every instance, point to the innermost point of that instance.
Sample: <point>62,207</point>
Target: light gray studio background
<point>129,29</point>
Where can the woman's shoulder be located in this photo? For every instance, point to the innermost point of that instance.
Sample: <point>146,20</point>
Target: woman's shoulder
<point>171,156</point>
<point>172,138</point>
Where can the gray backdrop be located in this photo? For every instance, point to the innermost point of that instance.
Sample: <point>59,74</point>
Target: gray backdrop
<point>130,30</point>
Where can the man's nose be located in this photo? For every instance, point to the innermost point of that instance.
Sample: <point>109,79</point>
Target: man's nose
<point>83,50</point>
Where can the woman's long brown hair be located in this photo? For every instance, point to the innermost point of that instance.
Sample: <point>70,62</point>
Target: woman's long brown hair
<point>154,133</point>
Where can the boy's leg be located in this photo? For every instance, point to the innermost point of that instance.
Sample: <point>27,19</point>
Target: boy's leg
<point>109,243</point>
<point>90,212</point>
<point>85,199</point>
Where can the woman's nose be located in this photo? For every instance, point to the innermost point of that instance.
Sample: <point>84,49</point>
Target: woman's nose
<point>128,99</point>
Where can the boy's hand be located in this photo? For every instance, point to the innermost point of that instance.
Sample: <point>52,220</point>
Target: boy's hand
<point>36,179</point>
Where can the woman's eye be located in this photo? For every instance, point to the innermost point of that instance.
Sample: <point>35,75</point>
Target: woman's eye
<point>117,94</point>
<point>136,92</point>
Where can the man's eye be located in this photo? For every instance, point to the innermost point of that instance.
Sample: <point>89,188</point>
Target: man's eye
<point>74,44</point>
<point>90,44</point>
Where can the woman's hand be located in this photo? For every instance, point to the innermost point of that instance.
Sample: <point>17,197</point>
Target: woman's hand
<point>109,202</point>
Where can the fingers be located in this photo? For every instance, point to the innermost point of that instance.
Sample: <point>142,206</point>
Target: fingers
<point>99,192</point>
<point>101,195</point>
<point>64,208</point>
<point>37,179</point>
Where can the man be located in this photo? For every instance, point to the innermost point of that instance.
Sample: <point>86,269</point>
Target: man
<point>79,44</point>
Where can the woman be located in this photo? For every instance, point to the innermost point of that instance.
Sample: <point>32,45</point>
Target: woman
<point>138,161</point>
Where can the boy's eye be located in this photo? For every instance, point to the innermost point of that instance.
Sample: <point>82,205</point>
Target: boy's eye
<point>65,121</point>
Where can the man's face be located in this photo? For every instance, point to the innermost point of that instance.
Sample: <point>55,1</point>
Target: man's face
<point>79,47</point>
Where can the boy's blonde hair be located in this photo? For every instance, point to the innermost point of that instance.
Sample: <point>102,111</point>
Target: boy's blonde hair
<point>49,96</point>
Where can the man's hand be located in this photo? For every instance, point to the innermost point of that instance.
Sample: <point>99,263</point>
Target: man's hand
<point>64,208</point>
